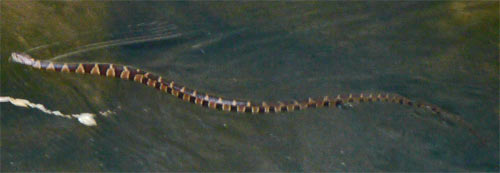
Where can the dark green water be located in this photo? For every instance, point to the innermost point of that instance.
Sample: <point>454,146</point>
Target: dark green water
<point>445,53</point>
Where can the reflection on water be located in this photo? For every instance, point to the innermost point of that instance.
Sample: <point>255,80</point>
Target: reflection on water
<point>445,53</point>
<point>119,42</point>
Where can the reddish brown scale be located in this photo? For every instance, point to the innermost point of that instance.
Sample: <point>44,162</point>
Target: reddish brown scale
<point>192,99</point>
<point>103,68</point>
<point>261,110</point>
<point>88,67</point>
<point>338,103</point>
<point>158,85</point>
<point>169,90</point>
<point>180,95</point>
<point>58,67</point>
<point>273,109</point>
<point>152,76</point>
<point>118,70</point>
<point>409,103</point>
<point>143,80</point>
<point>325,103</point>
<point>247,109</point>
<point>72,67</point>
<point>204,103</point>
<point>138,76</point>
<point>218,106</point>
<point>234,108</point>
<point>132,73</point>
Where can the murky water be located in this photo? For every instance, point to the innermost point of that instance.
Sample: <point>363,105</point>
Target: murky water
<point>444,53</point>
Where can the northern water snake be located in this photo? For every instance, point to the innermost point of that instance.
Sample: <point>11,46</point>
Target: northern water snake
<point>210,101</point>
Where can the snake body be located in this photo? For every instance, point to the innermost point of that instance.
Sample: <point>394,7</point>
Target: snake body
<point>233,105</point>
<point>210,101</point>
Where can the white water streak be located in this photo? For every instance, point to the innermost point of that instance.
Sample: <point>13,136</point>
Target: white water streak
<point>118,42</point>
<point>84,118</point>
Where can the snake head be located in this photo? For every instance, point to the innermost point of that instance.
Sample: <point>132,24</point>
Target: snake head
<point>21,58</point>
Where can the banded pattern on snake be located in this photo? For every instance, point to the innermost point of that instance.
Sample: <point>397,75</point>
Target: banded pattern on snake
<point>210,101</point>
<point>232,105</point>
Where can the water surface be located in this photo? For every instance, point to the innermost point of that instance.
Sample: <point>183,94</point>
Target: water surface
<point>445,53</point>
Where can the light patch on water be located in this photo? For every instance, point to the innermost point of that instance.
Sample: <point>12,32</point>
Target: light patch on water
<point>107,113</point>
<point>84,118</point>
<point>218,38</point>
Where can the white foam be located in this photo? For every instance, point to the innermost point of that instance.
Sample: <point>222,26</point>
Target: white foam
<point>84,118</point>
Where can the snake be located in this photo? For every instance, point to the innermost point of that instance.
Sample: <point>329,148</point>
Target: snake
<point>234,105</point>
<point>210,101</point>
